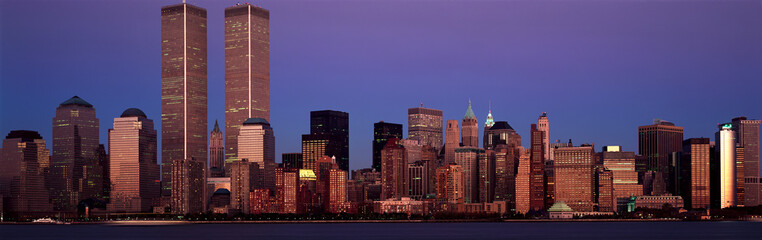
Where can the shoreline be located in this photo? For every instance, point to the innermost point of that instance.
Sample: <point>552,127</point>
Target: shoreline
<point>180,222</point>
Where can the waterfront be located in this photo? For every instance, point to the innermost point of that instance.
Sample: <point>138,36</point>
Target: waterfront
<point>482,231</point>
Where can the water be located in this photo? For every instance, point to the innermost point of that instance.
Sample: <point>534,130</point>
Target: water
<point>419,231</point>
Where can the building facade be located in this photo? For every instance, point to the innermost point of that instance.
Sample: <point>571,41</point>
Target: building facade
<point>452,141</point>
<point>332,128</point>
<point>216,152</point>
<point>656,142</point>
<point>468,158</point>
<point>382,132</point>
<point>393,171</point>
<point>25,160</point>
<point>425,125</point>
<point>537,170</point>
<point>470,128</point>
<point>574,175</point>
<point>695,174</point>
<point>727,165</point>
<point>256,143</point>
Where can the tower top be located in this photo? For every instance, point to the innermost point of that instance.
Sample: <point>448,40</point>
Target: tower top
<point>469,111</point>
<point>216,126</point>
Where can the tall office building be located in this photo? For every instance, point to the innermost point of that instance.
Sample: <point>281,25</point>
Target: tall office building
<point>656,142</point>
<point>452,141</point>
<point>604,193</point>
<point>625,178</point>
<point>523,182</point>
<point>337,189</point>
<point>450,184</point>
<point>468,158</point>
<point>287,189</point>
<point>183,87</point>
<point>331,128</point>
<point>544,125</point>
<point>256,143</point>
<point>470,128</point>
<point>726,148</point>
<point>313,148</point>
<point>506,164</point>
<point>247,70</point>
<point>242,176</point>
<point>574,172</point>
<point>695,174</point>
<point>75,145</point>
<point>292,160</point>
<point>429,159</point>
<point>501,133</point>
<point>537,170</point>
<point>487,178</point>
<point>382,132</point>
<point>425,125</point>
<point>133,168</point>
<point>747,137</point>
<point>418,179</point>
<point>393,170</point>
<point>189,186</point>
<point>25,161</point>
<point>216,152</point>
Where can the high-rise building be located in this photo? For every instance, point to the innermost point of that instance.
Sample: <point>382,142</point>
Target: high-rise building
<point>242,175</point>
<point>413,150</point>
<point>393,170</point>
<point>133,168</point>
<point>726,149</point>
<point>429,159</point>
<point>656,142</point>
<point>523,174</point>
<point>313,148</point>
<point>425,125</point>
<point>625,178</point>
<point>487,178</point>
<point>506,164</point>
<point>247,70</point>
<point>256,143</point>
<point>183,87</point>
<point>216,152</point>
<point>695,174</point>
<point>739,163</point>
<point>490,121</point>
<point>450,184</point>
<point>189,186</point>
<point>337,188</point>
<point>452,141</point>
<point>24,161</point>
<point>418,179</point>
<point>501,133</point>
<point>747,136</point>
<point>287,189</point>
<point>382,132</point>
<point>292,160</point>
<point>574,169</point>
<point>75,145</point>
<point>537,170</point>
<point>544,125</point>
<point>468,158</point>
<point>605,190</point>
<point>470,128</point>
<point>330,128</point>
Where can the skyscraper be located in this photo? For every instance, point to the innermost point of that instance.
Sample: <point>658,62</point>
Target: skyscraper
<point>450,184</point>
<point>256,143</point>
<point>625,178</point>
<point>747,137</point>
<point>501,133</point>
<point>332,128</point>
<point>696,173</point>
<point>383,131</point>
<point>216,152</point>
<point>523,173</point>
<point>470,128</point>
<point>134,171</point>
<point>292,160</point>
<point>242,175</point>
<point>574,174</point>
<point>487,178</point>
<point>727,156</point>
<point>393,170</point>
<point>452,141</point>
<point>75,145</point>
<point>604,195</point>
<point>506,164</point>
<point>22,178</point>
<point>287,189</point>
<point>247,70</point>
<point>425,125</point>
<point>183,87</point>
<point>468,158</point>
<point>537,170</point>
<point>656,142</point>
<point>544,125</point>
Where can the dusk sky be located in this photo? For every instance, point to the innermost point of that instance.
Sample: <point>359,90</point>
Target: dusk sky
<point>599,68</point>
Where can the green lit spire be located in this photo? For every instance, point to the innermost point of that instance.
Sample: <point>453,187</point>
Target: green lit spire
<point>490,121</point>
<point>469,112</point>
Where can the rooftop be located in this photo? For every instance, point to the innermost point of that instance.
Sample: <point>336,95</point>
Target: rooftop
<point>252,121</point>
<point>133,112</point>
<point>76,100</point>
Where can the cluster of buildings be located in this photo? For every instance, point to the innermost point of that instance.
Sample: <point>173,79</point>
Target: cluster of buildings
<point>437,166</point>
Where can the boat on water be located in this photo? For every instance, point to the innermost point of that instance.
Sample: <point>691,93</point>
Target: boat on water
<point>47,220</point>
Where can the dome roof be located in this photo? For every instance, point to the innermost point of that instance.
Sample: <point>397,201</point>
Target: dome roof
<point>133,112</point>
<point>501,125</point>
<point>560,207</point>
<point>25,135</point>
<point>76,100</point>
<point>222,191</point>
<point>251,121</point>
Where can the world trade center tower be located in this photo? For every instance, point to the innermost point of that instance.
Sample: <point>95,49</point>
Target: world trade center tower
<point>247,70</point>
<point>183,87</point>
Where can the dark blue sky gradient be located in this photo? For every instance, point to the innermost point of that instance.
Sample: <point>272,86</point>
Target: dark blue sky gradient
<point>599,69</point>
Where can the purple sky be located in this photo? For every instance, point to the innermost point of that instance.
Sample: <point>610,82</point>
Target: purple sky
<point>599,69</point>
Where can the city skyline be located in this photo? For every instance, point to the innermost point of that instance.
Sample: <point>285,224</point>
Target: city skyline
<point>609,120</point>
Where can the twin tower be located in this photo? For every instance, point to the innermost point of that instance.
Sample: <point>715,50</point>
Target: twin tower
<point>184,79</point>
